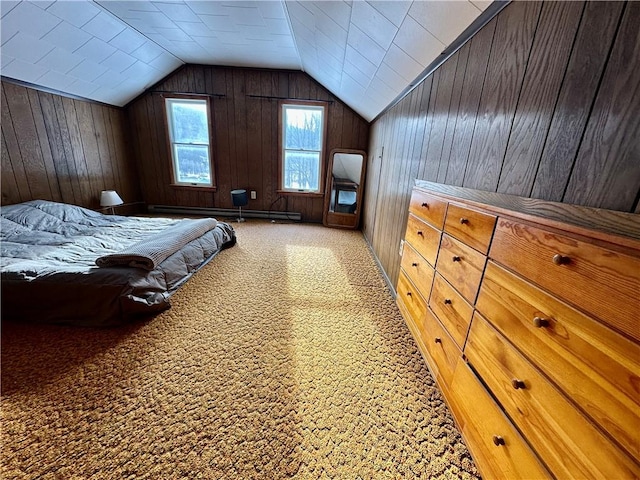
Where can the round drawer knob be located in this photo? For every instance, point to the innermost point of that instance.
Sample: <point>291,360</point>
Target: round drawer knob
<point>420,233</point>
<point>540,322</point>
<point>447,301</point>
<point>518,384</point>
<point>425,205</point>
<point>438,340</point>
<point>464,221</point>
<point>408,294</point>
<point>456,258</point>
<point>559,259</point>
<point>498,440</point>
<point>414,264</point>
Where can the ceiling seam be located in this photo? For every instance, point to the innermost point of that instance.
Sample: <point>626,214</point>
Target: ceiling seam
<point>293,33</point>
<point>113,15</point>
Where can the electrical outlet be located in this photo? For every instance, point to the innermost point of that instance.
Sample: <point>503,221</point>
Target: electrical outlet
<point>254,195</point>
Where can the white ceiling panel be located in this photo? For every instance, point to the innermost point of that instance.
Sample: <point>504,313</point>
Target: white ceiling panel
<point>27,18</point>
<point>364,52</point>
<point>444,20</point>
<point>76,13</point>
<point>373,23</point>
<point>394,11</point>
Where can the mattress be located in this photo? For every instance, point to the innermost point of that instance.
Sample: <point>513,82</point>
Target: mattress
<point>65,264</point>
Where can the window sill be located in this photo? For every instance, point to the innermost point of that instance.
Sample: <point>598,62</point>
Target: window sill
<point>302,194</point>
<point>194,187</point>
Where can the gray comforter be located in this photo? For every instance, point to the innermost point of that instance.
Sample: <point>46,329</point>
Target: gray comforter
<point>49,254</point>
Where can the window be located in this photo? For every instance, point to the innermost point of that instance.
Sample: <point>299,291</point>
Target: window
<point>302,152</point>
<point>188,124</point>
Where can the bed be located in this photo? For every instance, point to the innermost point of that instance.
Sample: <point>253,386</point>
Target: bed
<point>66,264</point>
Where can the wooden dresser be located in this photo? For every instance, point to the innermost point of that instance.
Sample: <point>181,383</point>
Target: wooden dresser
<point>528,315</point>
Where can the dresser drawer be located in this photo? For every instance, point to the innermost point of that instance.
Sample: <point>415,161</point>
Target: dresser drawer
<point>410,298</point>
<point>497,447</point>
<point>598,368</point>
<point>470,226</point>
<point>452,310</point>
<point>440,347</point>
<point>461,265</point>
<point>429,208</point>
<point>424,238</point>
<point>417,269</point>
<point>601,282</point>
<point>565,439</point>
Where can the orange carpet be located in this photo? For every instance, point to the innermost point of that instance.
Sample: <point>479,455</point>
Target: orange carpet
<point>285,357</point>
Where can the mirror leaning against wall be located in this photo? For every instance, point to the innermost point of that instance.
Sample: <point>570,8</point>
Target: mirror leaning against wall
<point>344,188</point>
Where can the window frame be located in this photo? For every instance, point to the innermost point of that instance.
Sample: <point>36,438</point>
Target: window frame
<point>281,147</point>
<point>170,143</point>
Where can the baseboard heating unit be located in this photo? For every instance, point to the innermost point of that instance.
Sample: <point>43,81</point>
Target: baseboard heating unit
<point>223,212</point>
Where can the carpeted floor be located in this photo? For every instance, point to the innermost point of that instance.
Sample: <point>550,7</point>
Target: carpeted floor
<point>285,357</point>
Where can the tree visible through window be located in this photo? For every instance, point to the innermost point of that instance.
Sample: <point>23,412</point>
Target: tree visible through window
<point>302,147</point>
<point>188,122</point>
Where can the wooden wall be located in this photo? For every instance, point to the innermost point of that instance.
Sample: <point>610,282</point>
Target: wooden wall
<point>245,124</point>
<point>543,102</point>
<point>65,150</point>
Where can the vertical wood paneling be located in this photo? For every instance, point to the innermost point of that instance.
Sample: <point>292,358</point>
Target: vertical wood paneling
<point>543,102</point>
<point>454,109</point>
<point>479,49</point>
<point>54,136</point>
<point>45,149</point>
<point>607,170</point>
<point>584,71</point>
<point>60,149</point>
<point>558,26</point>
<point>427,165</point>
<point>13,158</point>
<point>440,116</point>
<point>27,139</point>
<point>10,193</point>
<point>510,50</point>
<point>245,136</point>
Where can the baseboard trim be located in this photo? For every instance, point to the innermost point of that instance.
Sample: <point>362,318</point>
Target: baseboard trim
<point>382,271</point>
<point>224,212</point>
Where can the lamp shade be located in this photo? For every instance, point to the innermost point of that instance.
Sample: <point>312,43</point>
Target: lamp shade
<point>110,198</point>
<point>239,197</point>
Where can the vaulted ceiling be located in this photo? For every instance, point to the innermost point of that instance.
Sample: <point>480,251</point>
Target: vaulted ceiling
<point>364,52</point>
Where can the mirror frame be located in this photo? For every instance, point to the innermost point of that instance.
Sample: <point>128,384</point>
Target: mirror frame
<point>337,219</point>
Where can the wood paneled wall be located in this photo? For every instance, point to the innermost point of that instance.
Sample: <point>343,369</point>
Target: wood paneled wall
<point>245,124</point>
<point>542,102</point>
<point>65,150</point>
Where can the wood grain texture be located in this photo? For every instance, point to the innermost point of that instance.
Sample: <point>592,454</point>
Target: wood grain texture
<point>472,227</point>
<point>429,208</point>
<point>610,225</point>
<point>472,88</point>
<point>600,281</point>
<point>515,30</point>
<point>607,171</point>
<point>417,269</point>
<point>61,149</point>
<point>454,110</point>
<point>245,136</point>
<point>482,420</point>
<point>453,311</point>
<point>424,238</point>
<point>582,356</point>
<point>570,444</point>
<point>461,266</point>
<point>556,32</point>
<point>440,117</point>
<point>589,56</point>
<point>440,346</point>
<point>411,299</point>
